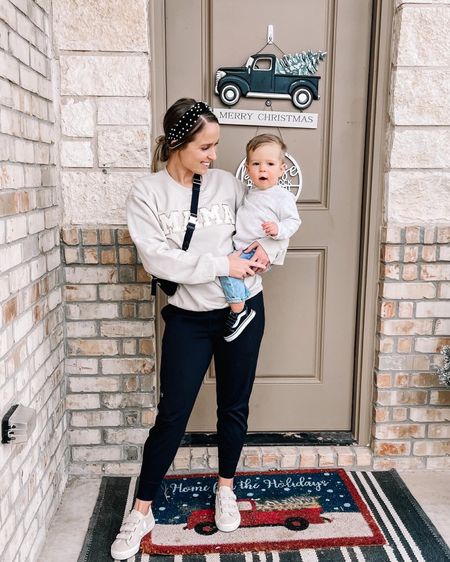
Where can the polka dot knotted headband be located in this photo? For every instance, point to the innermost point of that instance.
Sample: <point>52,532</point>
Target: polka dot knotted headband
<point>186,123</point>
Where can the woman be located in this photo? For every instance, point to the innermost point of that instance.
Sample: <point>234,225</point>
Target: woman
<point>157,212</point>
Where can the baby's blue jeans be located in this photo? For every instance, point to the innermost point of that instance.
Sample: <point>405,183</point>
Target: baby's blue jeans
<point>235,289</point>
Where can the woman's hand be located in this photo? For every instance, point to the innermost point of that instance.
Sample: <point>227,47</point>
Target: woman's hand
<point>241,268</point>
<point>260,255</point>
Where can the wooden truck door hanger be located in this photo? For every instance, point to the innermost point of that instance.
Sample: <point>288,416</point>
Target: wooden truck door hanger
<point>266,76</point>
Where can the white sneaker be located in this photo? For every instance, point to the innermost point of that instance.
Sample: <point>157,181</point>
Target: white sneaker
<point>134,527</point>
<point>227,514</point>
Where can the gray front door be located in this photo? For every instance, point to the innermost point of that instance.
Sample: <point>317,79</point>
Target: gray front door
<point>306,369</point>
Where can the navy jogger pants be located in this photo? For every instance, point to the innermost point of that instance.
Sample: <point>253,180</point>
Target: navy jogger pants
<point>191,340</point>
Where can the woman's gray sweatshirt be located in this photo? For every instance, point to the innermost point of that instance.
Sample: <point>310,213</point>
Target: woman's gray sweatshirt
<point>158,210</point>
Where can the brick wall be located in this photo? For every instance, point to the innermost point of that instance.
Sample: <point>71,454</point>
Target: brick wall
<point>110,367</point>
<point>110,359</point>
<point>33,475</point>
<point>110,350</point>
<point>412,409</point>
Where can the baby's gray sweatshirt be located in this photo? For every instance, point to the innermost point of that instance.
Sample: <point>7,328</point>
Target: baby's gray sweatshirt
<point>274,204</point>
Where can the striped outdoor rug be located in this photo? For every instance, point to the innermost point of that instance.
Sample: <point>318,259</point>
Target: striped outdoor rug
<point>287,516</point>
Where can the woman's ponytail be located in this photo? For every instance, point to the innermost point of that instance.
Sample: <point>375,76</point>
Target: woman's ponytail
<point>160,153</point>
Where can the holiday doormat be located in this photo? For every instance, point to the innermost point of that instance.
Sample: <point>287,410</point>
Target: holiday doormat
<point>287,516</point>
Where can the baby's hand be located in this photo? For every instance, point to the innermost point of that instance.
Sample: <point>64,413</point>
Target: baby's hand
<point>270,228</point>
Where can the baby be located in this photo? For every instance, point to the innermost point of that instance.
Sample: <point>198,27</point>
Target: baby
<point>267,209</point>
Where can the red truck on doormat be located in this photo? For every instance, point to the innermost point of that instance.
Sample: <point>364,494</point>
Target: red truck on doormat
<point>269,514</point>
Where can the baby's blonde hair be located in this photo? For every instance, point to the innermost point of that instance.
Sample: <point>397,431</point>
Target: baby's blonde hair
<point>259,140</point>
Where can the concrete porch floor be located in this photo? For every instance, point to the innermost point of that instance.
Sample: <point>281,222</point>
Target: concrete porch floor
<point>66,533</point>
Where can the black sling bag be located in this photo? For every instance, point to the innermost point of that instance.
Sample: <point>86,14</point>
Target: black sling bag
<point>170,287</point>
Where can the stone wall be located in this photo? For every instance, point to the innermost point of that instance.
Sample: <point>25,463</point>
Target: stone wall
<point>412,414</point>
<point>103,64</point>
<point>33,474</point>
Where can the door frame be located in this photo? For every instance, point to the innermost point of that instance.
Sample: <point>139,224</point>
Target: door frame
<point>373,190</point>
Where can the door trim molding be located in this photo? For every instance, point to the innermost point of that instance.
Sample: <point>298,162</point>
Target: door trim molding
<point>371,218</point>
<point>373,188</point>
<point>158,70</point>
<point>158,106</point>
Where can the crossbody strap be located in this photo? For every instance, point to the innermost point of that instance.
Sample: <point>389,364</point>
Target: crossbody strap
<point>190,227</point>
